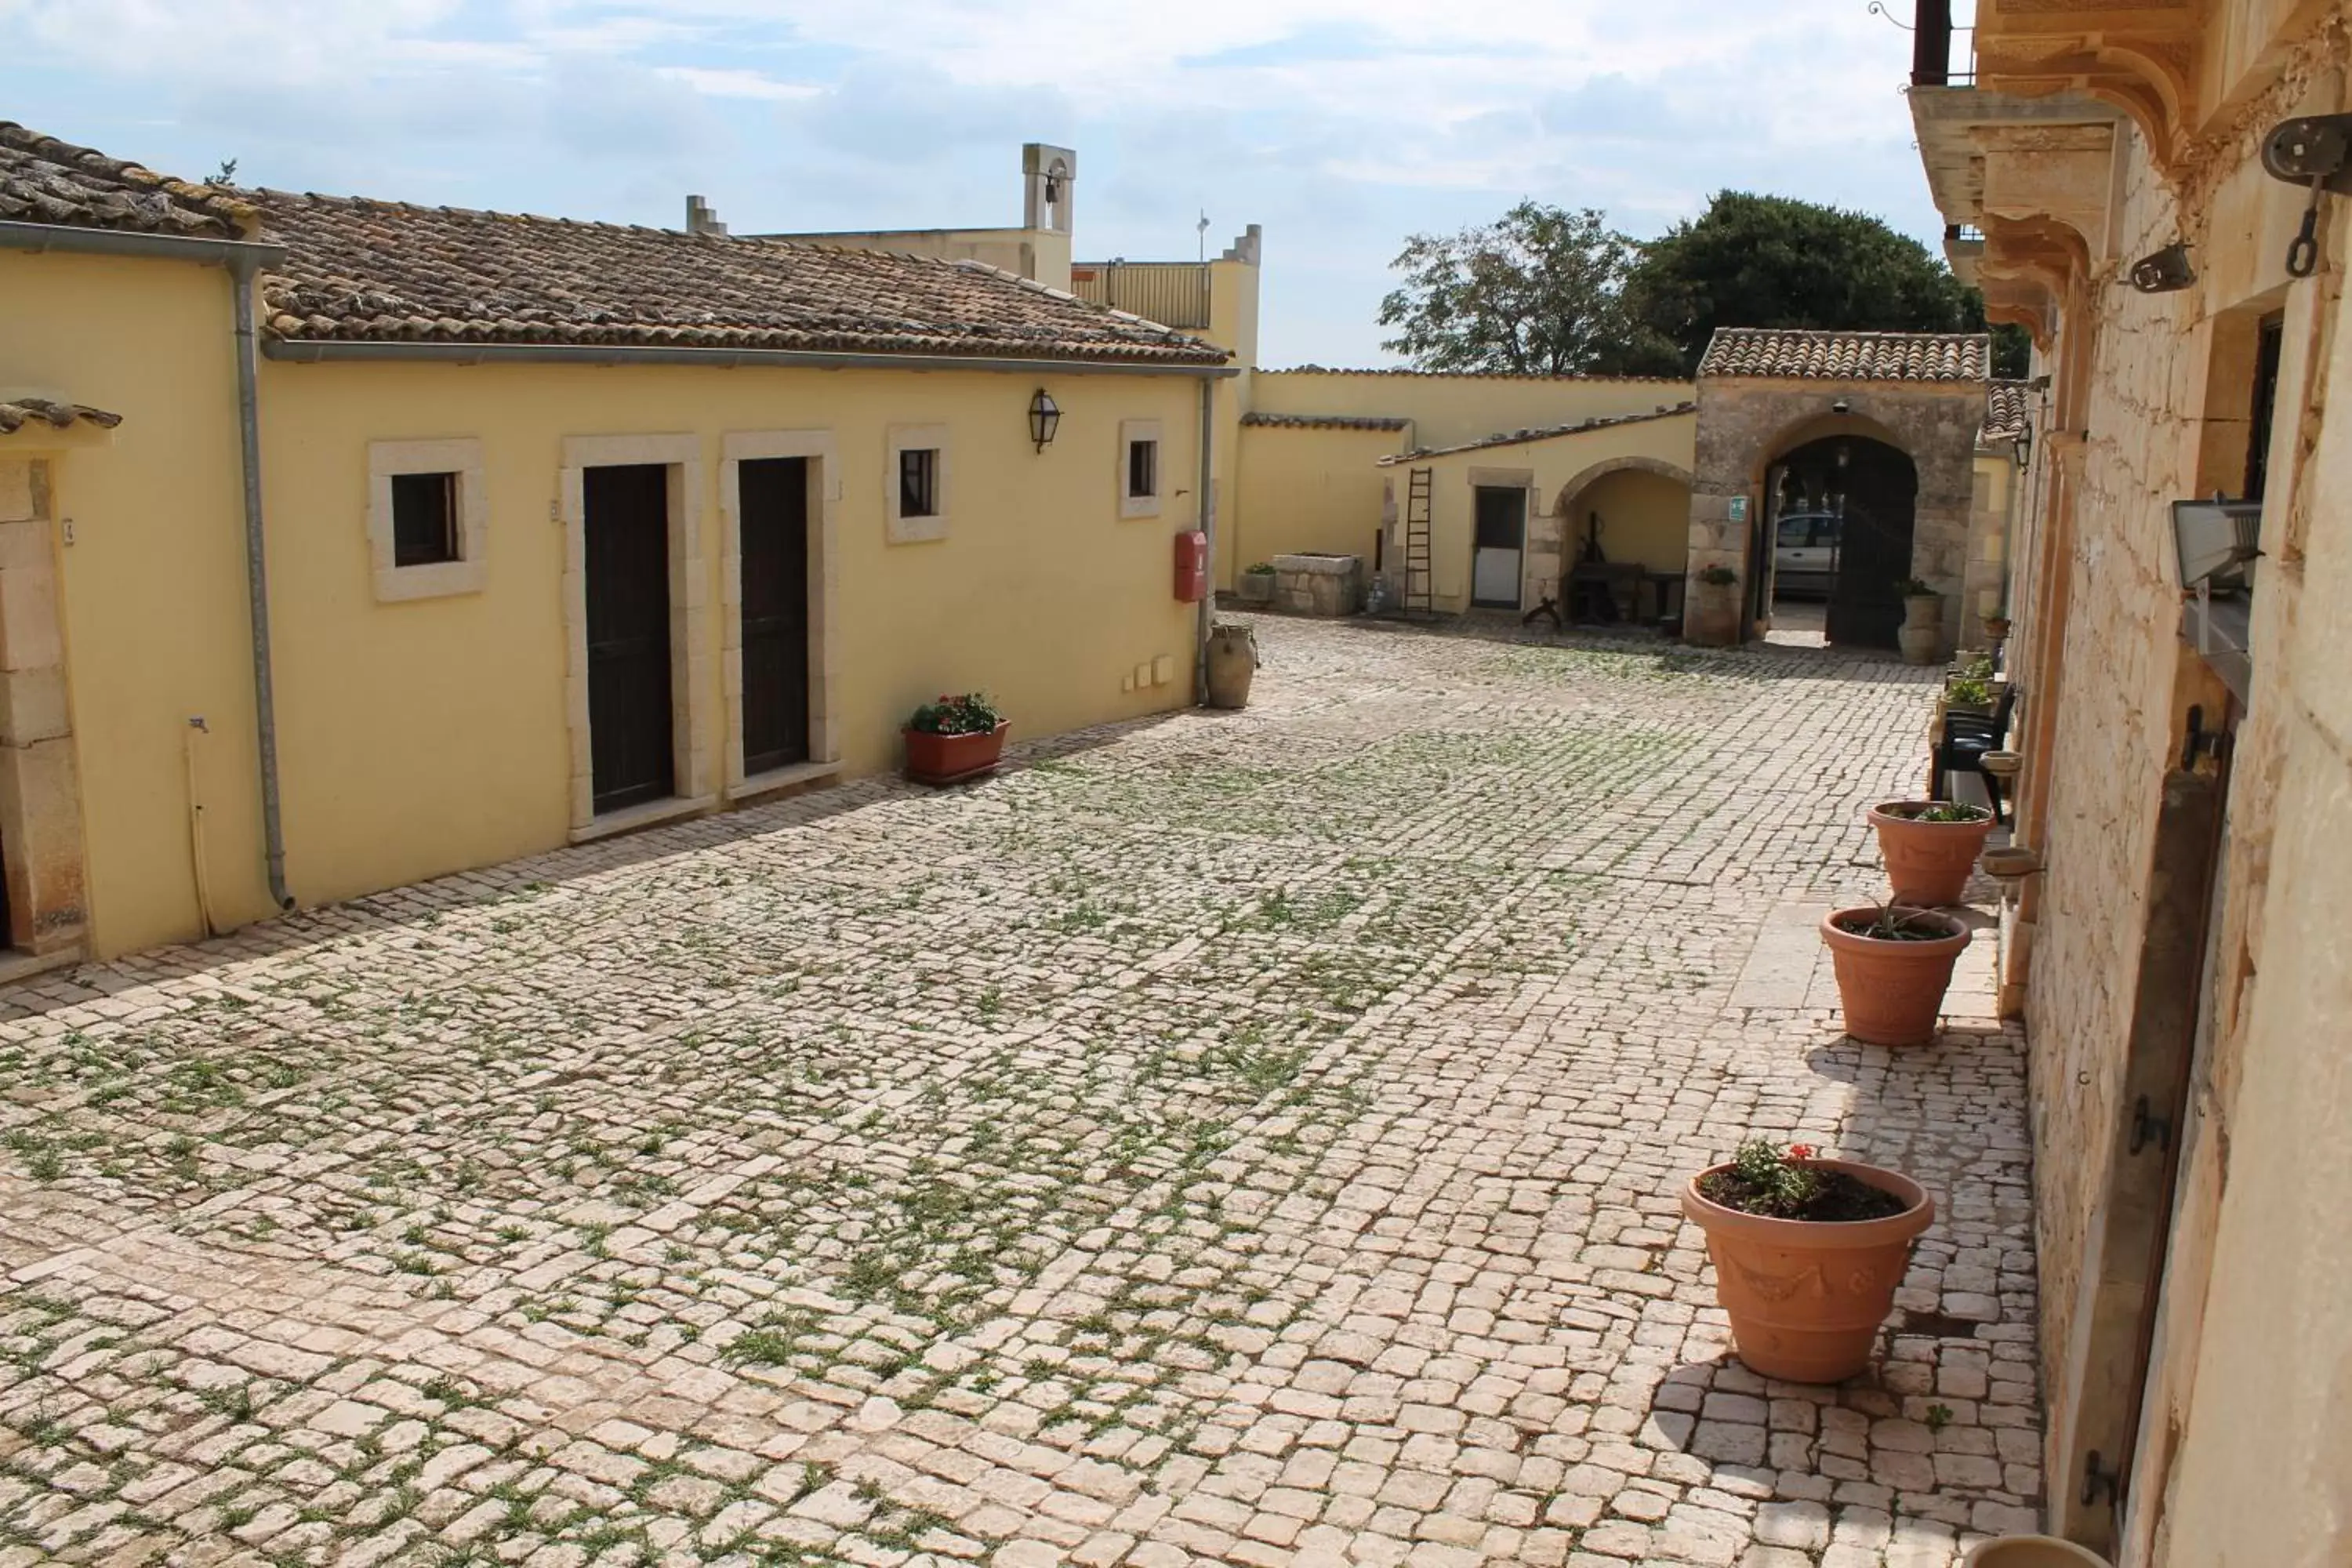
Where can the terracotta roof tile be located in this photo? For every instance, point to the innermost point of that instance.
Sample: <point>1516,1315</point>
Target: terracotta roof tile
<point>1545,432</point>
<point>2008,411</point>
<point>1326,421</point>
<point>1406,370</point>
<point>362,271</point>
<point>1788,355</point>
<point>44,180</point>
<point>17,412</point>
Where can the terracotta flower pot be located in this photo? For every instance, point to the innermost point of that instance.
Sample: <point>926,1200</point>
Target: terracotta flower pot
<point>1928,863</point>
<point>1890,991</point>
<point>950,758</point>
<point>2031,1551</point>
<point>1806,1298</point>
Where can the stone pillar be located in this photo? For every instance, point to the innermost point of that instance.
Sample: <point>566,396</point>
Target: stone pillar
<point>1716,616</point>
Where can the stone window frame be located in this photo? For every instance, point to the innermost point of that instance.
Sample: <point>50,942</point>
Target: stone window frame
<point>694,688</point>
<point>470,574</point>
<point>900,528</point>
<point>1522,481</point>
<point>1131,431</point>
<point>819,447</point>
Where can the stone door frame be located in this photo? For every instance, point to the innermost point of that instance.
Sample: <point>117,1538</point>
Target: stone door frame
<point>43,853</point>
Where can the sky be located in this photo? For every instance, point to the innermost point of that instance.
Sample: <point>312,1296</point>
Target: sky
<point>1342,126</point>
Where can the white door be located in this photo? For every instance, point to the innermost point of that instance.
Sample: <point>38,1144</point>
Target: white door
<point>1501,533</point>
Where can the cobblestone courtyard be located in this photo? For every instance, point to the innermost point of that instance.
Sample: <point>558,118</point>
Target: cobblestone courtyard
<point>1243,1139</point>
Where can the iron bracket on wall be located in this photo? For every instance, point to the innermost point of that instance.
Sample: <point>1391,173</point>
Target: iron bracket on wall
<point>2314,150</point>
<point>2199,742</point>
<point>2097,1480</point>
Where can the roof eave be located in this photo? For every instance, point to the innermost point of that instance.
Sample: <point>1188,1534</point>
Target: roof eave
<point>315,350</point>
<point>237,255</point>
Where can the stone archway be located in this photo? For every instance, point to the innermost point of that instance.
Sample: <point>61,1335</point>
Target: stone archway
<point>1554,542</point>
<point>1747,424</point>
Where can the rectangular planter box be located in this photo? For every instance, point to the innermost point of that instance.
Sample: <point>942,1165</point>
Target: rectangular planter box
<point>951,759</point>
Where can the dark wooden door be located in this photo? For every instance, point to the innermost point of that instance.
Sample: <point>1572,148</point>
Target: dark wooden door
<point>1869,490</point>
<point>775,519</point>
<point>1501,528</point>
<point>629,731</point>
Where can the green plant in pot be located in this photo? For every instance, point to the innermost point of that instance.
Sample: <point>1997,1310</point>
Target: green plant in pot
<point>955,738</point>
<point>1893,965</point>
<point>1258,583</point>
<point>1929,848</point>
<point>1967,692</point>
<point>1808,1254</point>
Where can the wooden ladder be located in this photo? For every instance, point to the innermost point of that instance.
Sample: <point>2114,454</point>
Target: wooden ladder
<point>1417,514</point>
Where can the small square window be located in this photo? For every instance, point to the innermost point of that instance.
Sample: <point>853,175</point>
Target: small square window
<point>424,519</point>
<point>1137,454</point>
<point>918,481</point>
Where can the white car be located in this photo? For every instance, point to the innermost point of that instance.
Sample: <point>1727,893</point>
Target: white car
<point>1805,554</point>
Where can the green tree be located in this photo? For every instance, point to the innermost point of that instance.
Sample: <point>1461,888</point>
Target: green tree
<point>1538,292</point>
<point>1774,262</point>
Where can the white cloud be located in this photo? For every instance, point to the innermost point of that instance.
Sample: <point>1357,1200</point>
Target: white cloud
<point>1343,124</point>
<point>715,83</point>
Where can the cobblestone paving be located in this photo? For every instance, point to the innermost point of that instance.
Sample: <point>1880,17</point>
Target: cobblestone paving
<point>1243,1139</point>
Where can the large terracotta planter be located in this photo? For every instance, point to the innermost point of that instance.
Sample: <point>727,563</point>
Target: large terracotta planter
<point>1922,631</point>
<point>2031,1551</point>
<point>1233,665</point>
<point>1928,863</point>
<point>1806,1298</point>
<point>1892,992</point>
<point>951,759</point>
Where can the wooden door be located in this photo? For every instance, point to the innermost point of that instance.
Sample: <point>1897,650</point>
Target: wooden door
<point>630,738</point>
<point>1501,536</point>
<point>1873,546</point>
<point>774,524</point>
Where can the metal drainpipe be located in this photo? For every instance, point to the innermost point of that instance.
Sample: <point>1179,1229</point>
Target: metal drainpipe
<point>242,271</point>
<point>1208,528</point>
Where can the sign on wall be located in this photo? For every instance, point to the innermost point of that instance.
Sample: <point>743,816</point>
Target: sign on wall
<point>1740,509</point>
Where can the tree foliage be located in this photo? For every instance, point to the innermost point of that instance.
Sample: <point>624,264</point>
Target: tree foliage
<point>1548,291</point>
<point>1772,261</point>
<point>1540,291</point>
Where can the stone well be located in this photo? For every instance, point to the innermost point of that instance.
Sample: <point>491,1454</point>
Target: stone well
<point>1319,584</point>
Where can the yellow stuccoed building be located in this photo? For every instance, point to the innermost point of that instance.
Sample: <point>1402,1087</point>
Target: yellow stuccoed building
<point>566,528</point>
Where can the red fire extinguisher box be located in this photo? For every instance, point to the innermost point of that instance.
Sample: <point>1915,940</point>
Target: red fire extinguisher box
<point>1192,566</point>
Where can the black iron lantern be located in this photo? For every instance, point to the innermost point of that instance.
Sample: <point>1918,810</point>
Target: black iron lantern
<point>2021,449</point>
<point>1045,419</point>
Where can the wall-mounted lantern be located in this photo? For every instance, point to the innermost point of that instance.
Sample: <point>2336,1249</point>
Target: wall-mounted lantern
<point>2022,450</point>
<point>1045,419</point>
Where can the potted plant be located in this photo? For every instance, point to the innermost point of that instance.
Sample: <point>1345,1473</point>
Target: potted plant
<point>2031,1551</point>
<point>1922,617</point>
<point>954,739</point>
<point>1929,846</point>
<point>1967,693</point>
<point>1808,1253</point>
<point>1894,966</point>
<point>1257,585</point>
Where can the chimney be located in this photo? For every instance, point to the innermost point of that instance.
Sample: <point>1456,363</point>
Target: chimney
<point>700,219</point>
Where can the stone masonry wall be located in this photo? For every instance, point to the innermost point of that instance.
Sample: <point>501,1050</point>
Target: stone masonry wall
<point>2157,424</point>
